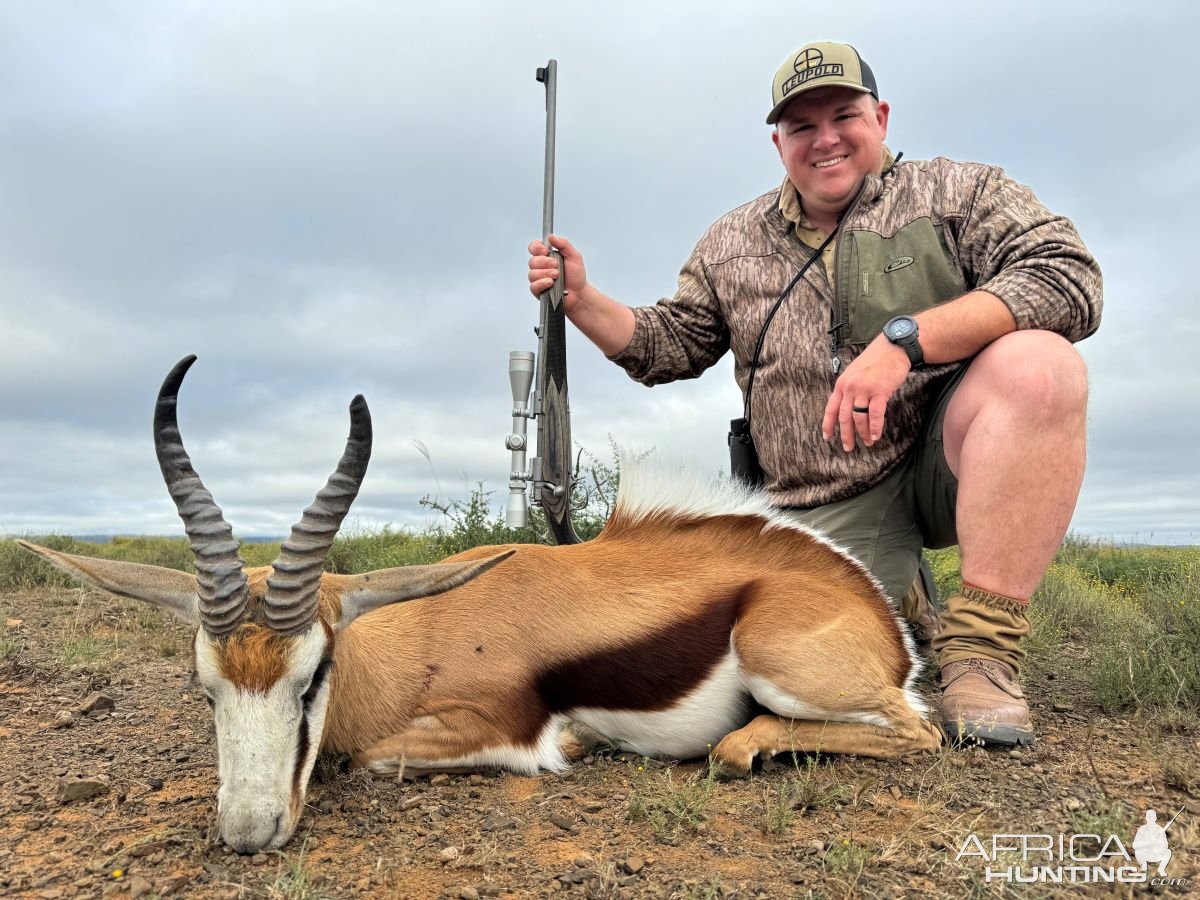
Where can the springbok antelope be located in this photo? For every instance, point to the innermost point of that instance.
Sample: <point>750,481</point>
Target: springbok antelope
<point>698,617</point>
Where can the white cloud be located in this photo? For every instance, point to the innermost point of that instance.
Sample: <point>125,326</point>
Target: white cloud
<point>325,199</point>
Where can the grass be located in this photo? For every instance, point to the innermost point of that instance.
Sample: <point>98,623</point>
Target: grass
<point>669,804</point>
<point>10,647</point>
<point>294,882</point>
<point>10,640</point>
<point>846,860</point>
<point>95,653</point>
<point>1103,818</point>
<point>1134,611</point>
<point>777,815</point>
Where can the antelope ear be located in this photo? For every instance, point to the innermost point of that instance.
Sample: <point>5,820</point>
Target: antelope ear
<point>372,590</point>
<point>171,589</point>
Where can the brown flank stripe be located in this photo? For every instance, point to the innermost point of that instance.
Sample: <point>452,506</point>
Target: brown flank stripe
<point>649,674</point>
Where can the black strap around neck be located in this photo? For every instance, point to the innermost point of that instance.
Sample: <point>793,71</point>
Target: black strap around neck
<point>771,315</point>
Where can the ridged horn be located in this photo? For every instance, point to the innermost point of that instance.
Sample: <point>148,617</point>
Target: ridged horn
<point>294,584</point>
<point>222,586</point>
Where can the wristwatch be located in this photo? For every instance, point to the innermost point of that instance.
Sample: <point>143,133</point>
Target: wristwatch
<point>902,331</point>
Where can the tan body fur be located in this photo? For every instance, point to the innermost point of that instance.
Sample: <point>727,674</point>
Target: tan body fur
<point>463,664</point>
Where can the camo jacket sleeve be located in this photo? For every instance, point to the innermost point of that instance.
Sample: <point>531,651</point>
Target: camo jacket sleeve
<point>680,336</point>
<point>1030,258</point>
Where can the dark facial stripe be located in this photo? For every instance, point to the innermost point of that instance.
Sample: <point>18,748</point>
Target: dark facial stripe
<point>317,680</point>
<point>301,753</point>
<point>302,743</point>
<point>648,674</point>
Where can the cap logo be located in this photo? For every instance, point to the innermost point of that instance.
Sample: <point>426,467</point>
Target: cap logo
<point>810,64</point>
<point>809,59</point>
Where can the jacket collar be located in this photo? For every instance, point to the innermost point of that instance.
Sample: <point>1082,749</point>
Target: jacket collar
<point>788,205</point>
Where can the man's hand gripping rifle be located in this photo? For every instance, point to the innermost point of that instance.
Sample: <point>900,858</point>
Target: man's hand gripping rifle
<point>550,471</point>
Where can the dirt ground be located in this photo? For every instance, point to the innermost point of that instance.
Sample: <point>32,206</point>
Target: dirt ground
<point>612,827</point>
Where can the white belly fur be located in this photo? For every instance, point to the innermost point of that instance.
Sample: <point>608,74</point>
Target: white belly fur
<point>690,728</point>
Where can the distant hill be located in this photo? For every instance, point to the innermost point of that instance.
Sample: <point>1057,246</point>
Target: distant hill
<point>108,538</point>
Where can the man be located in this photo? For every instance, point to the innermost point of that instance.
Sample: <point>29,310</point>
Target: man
<point>966,425</point>
<point>1150,843</point>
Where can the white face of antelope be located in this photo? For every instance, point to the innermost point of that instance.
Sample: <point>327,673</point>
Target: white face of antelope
<point>269,695</point>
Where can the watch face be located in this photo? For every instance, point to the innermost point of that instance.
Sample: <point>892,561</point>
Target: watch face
<point>900,328</point>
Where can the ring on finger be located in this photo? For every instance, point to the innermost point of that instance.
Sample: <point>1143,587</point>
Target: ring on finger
<point>861,409</point>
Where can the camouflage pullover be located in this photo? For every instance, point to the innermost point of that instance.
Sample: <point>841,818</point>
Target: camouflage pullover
<point>923,233</point>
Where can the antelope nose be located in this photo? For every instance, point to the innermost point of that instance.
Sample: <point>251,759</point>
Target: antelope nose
<point>251,828</point>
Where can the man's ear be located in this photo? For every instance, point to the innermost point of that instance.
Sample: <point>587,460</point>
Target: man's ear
<point>882,110</point>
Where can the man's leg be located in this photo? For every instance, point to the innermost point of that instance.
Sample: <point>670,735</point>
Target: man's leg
<point>1014,435</point>
<point>877,527</point>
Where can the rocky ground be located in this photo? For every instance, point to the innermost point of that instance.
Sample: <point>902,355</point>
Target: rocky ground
<point>107,785</point>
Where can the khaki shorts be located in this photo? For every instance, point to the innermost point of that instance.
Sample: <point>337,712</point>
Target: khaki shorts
<point>886,526</point>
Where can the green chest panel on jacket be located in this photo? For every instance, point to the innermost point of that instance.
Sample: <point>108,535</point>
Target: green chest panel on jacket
<point>879,277</point>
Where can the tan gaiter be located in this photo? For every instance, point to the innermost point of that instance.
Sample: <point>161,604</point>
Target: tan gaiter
<point>914,602</point>
<point>978,623</point>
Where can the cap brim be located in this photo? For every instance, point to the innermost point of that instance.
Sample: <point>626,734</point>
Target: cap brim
<point>778,110</point>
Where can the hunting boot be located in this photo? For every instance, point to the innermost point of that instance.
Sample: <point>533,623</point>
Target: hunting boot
<point>980,654</point>
<point>917,606</point>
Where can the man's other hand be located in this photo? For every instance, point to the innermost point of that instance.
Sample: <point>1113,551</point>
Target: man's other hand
<point>867,385</point>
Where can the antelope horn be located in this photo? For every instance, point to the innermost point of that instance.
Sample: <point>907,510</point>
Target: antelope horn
<point>222,589</point>
<point>293,588</point>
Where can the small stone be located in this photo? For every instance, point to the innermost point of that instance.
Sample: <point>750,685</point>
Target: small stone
<point>895,792</point>
<point>468,893</point>
<point>497,821</point>
<point>64,719</point>
<point>448,855</point>
<point>1062,707</point>
<point>138,886</point>
<point>75,788</point>
<point>476,779</point>
<point>633,865</point>
<point>96,702</point>
<point>1074,803</point>
<point>1014,754</point>
<point>439,779</point>
<point>562,821</point>
<point>155,784</point>
<point>409,803</point>
<point>326,806</point>
<point>589,760</point>
<point>258,859</point>
<point>584,860</point>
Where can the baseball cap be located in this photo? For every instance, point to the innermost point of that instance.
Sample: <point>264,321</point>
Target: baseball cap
<point>821,64</point>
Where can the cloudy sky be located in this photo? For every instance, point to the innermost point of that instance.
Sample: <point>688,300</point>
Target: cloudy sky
<point>326,198</point>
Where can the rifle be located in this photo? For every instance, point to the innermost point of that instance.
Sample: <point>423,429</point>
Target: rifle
<point>550,471</point>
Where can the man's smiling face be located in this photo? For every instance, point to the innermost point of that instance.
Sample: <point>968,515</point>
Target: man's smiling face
<point>829,139</point>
